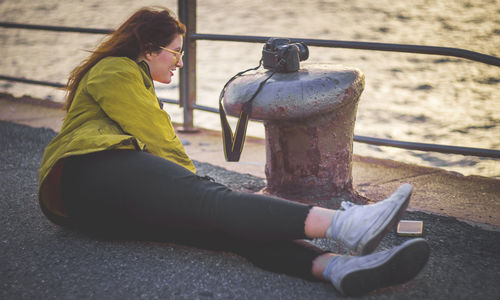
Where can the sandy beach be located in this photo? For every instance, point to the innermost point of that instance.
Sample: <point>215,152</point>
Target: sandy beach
<point>410,97</point>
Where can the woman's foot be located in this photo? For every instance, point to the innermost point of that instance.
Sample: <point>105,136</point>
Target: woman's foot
<point>361,227</point>
<point>358,275</point>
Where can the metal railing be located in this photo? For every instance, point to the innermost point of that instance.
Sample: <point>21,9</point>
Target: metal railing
<point>187,83</point>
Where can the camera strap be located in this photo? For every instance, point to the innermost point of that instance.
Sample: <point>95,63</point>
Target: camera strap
<point>233,143</point>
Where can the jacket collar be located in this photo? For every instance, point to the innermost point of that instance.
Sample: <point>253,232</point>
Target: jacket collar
<point>146,73</point>
<point>148,82</point>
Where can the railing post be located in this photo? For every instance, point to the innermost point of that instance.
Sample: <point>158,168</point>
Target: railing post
<point>187,84</point>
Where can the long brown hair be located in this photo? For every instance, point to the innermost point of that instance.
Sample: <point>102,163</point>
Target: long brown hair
<point>145,31</point>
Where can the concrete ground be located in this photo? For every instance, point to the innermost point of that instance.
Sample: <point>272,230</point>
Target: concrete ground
<point>39,260</point>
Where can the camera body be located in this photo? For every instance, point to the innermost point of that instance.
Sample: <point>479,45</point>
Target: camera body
<point>282,56</point>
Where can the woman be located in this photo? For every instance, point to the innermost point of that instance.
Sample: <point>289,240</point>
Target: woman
<point>118,168</point>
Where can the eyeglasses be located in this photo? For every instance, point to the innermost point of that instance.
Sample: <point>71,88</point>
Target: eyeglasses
<point>178,55</point>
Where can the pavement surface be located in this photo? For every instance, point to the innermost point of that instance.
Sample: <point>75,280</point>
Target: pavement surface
<point>39,260</point>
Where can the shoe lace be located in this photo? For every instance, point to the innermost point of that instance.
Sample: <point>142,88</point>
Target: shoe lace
<point>345,205</point>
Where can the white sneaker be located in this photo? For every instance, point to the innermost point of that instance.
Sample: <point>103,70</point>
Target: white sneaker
<point>358,275</point>
<point>361,227</point>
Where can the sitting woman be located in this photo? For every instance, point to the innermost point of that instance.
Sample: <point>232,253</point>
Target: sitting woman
<point>118,168</point>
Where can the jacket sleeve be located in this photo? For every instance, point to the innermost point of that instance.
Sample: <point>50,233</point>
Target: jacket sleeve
<point>118,87</point>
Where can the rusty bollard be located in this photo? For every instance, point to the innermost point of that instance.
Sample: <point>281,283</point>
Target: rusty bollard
<point>309,119</point>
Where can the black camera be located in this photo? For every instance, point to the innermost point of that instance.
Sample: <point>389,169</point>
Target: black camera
<point>282,56</point>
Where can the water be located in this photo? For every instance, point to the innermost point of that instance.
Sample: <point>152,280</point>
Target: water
<point>410,97</point>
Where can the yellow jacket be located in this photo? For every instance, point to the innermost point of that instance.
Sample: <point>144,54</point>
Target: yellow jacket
<point>115,107</point>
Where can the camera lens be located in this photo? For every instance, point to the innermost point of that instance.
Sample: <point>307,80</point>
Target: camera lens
<point>303,51</point>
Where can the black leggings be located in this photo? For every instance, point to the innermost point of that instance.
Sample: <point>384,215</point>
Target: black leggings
<point>137,195</point>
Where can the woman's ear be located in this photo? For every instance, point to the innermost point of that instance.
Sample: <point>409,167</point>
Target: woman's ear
<point>147,51</point>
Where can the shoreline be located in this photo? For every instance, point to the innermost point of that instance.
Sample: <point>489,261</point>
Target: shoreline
<point>49,103</point>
